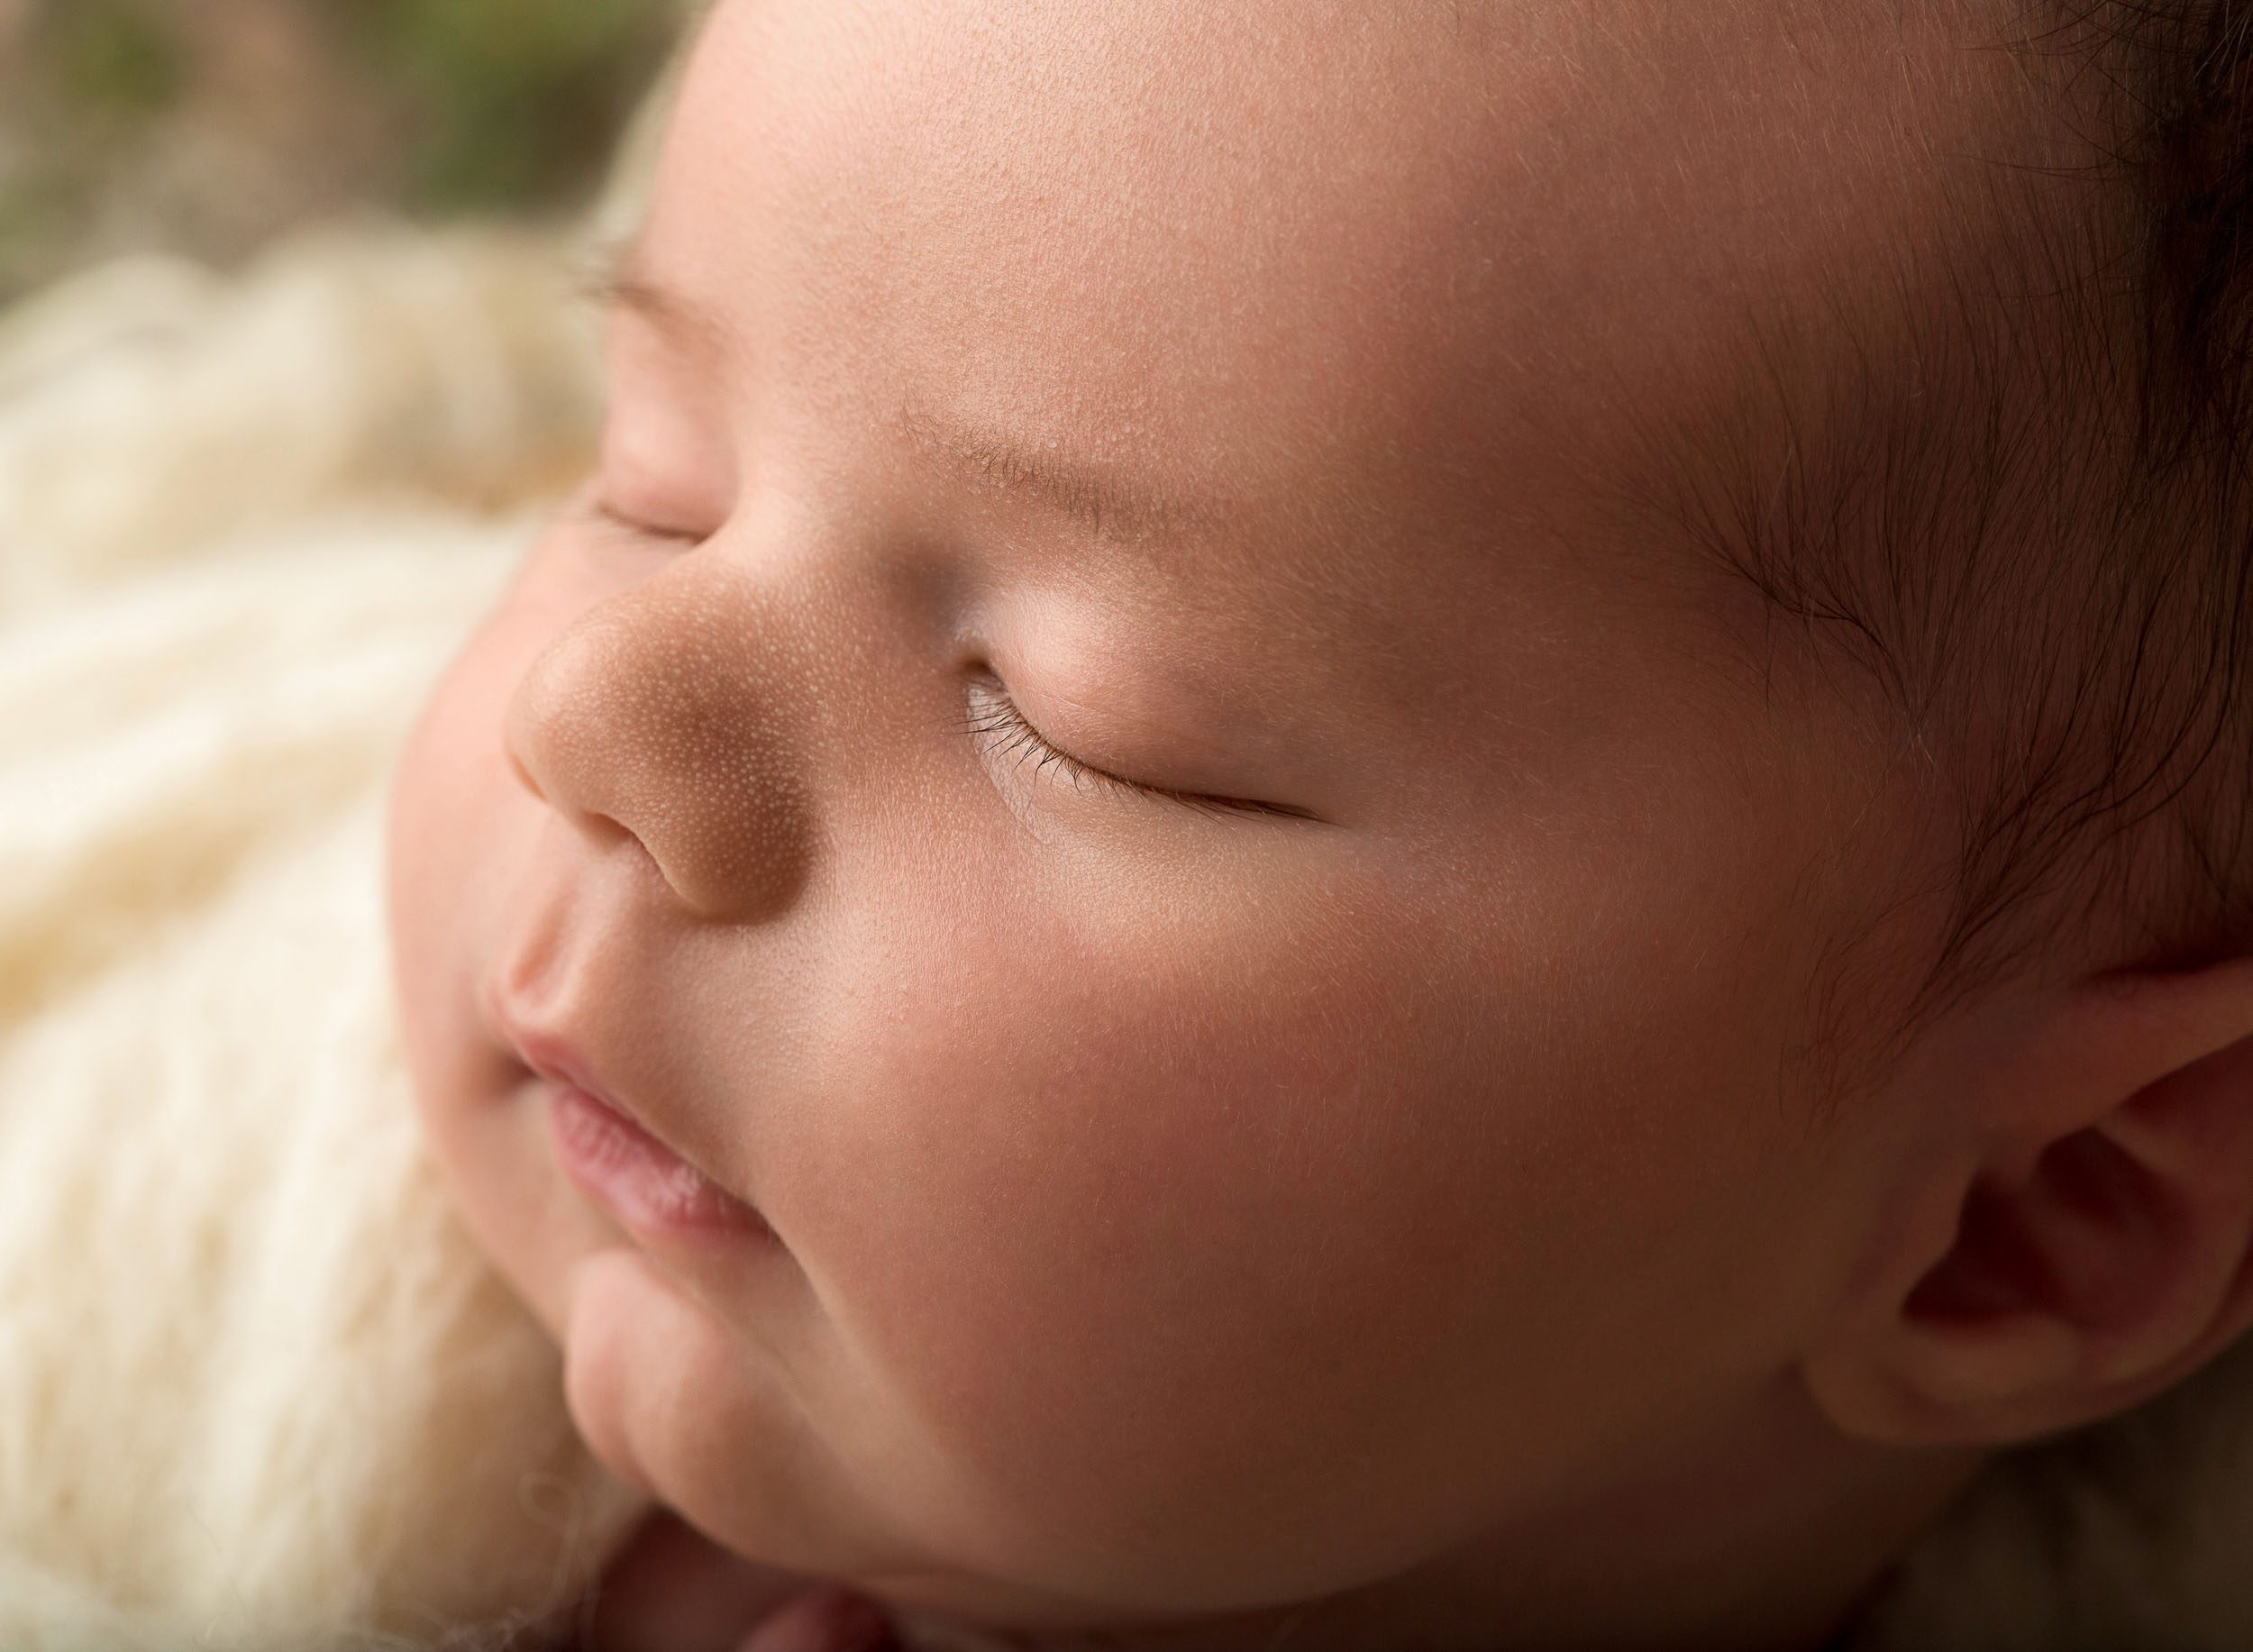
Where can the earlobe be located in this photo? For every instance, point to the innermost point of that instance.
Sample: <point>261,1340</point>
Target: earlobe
<point>2096,1243</point>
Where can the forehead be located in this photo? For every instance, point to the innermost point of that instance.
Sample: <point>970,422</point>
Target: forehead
<point>1394,286</point>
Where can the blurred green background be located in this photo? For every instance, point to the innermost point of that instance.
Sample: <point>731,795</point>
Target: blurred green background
<point>205,127</point>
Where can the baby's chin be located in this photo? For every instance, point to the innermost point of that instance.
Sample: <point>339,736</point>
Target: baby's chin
<point>682,1411</point>
<point>605,1331</point>
<point>675,1404</point>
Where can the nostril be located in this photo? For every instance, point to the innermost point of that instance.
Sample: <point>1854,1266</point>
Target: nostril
<point>523,774</point>
<point>521,733</point>
<point>601,824</point>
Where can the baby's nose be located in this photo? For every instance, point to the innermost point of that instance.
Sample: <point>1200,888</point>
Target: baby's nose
<point>665,713</point>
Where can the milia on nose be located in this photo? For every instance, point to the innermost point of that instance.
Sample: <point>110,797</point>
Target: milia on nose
<point>660,713</point>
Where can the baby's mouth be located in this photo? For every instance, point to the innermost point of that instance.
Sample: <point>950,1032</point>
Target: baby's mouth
<point>647,1185</point>
<point>613,1158</point>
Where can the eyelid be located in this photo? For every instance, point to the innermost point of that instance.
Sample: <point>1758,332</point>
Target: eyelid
<point>1002,720</point>
<point>600,511</point>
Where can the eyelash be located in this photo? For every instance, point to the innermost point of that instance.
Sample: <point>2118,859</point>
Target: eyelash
<point>1001,721</point>
<point>605,515</point>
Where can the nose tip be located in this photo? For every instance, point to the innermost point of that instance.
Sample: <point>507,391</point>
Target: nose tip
<point>654,716</point>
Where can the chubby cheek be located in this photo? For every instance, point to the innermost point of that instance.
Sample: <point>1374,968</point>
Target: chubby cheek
<point>1217,1230</point>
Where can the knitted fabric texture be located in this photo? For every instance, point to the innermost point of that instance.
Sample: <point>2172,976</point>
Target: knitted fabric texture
<point>258,1387</point>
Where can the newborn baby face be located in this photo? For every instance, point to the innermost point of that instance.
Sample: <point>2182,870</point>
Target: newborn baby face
<point>1214,945</point>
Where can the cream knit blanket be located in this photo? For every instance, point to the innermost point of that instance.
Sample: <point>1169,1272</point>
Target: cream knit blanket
<point>257,1387</point>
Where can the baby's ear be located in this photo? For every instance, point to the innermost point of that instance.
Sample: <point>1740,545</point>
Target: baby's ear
<point>2090,1244</point>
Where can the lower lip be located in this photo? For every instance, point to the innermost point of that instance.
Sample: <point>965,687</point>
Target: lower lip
<point>638,1179</point>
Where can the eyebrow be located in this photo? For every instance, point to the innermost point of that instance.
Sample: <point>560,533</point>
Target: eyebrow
<point>619,284</point>
<point>996,460</point>
<point>989,459</point>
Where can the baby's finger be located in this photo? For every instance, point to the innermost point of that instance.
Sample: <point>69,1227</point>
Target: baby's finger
<point>826,1620</point>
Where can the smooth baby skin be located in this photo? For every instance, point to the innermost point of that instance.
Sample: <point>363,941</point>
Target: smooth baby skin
<point>1367,1183</point>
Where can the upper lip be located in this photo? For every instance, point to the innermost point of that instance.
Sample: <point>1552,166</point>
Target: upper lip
<point>550,1054</point>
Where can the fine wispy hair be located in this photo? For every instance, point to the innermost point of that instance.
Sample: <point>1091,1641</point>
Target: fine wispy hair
<point>2002,488</point>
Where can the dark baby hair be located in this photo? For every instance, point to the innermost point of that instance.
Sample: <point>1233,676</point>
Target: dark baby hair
<point>2017,500</point>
